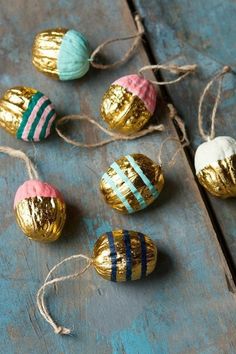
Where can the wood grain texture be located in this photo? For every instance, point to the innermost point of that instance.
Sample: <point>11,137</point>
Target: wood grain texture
<point>201,32</point>
<point>185,306</point>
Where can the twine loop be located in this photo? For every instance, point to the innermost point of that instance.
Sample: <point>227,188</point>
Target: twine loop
<point>114,136</point>
<point>32,172</point>
<point>184,141</point>
<point>137,39</point>
<point>183,71</point>
<point>58,329</point>
<point>218,77</point>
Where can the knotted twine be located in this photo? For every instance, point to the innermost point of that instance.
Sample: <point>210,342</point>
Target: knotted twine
<point>32,172</point>
<point>184,141</point>
<point>218,77</point>
<point>137,40</point>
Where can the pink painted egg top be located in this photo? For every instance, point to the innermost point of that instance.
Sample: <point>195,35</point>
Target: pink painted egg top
<point>141,88</point>
<point>35,188</point>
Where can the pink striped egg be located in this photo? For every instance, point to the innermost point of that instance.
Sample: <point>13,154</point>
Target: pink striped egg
<point>129,103</point>
<point>40,211</point>
<point>27,114</point>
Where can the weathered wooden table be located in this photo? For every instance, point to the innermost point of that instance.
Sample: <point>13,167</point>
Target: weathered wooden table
<point>188,305</point>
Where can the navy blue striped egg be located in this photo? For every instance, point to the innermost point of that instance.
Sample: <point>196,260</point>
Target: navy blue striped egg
<point>123,255</point>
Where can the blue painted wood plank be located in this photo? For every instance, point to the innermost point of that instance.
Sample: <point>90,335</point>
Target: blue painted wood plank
<point>201,32</point>
<point>185,306</point>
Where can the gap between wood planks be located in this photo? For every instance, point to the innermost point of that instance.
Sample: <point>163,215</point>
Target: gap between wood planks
<point>224,253</point>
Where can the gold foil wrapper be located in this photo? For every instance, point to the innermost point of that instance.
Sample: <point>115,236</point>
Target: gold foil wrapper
<point>129,258</point>
<point>123,111</point>
<point>46,49</point>
<point>41,218</point>
<point>152,171</point>
<point>220,178</point>
<point>13,105</point>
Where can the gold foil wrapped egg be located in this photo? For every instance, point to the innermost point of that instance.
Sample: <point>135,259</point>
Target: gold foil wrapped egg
<point>123,255</point>
<point>61,53</point>
<point>40,211</point>
<point>128,104</point>
<point>215,164</point>
<point>132,183</point>
<point>26,113</point>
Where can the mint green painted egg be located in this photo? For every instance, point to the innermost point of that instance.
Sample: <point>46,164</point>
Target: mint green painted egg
<point>73,58</point>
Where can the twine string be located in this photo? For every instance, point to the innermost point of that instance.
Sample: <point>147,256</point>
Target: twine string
<point>183,71</point>
<point>114,136</point>
<point>218,77</point>
<point>41,292</point>
<point>184,141</point>
<point>32,172</point>
<point>137,39</point>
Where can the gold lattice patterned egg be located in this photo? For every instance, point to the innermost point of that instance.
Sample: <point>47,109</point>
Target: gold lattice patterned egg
<point>215,164</point>
<point>132,183</point>
<point>123,255</point>
<point>61,53</point>
<point>40,211</point>
<point>26,113</point>
<point>128,104</point>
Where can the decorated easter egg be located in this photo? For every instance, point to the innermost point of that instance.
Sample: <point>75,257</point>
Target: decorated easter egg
<point>132,183</point>
<point>215,164</point>
<point>128,104</point>
<point>61,53</point>
<point>26,113</point>
<point>123,255</point>
<point>40,211</point>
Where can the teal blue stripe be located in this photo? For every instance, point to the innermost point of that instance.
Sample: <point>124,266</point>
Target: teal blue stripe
<point>33,101</point>
<point>144,178</point>
<point>122,198</point>
<point>133,189</point>
<point>113,255</point>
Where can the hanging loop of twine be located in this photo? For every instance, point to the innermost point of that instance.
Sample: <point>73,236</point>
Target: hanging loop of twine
<point>218,77</point>
<point>183,71</point>
<point>32,172</point>
<point>41,292</point>
<point>137,39</point>
<point>114,136</point>
<point>184,141</point>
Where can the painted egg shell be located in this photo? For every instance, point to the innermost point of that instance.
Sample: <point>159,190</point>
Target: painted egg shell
<point>61,53</point>
<point>132,183</point>
<point>27,114</point>
<point>40,211</point>
<point>123,255</point>
<point>128,104</point>
<point>215,164</point>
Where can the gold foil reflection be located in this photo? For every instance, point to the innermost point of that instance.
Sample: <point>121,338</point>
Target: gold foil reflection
<point>113,265</point>
<point>151,170</point>
<point>13,105</point>
<point>41,218</point>
<point>123,111</point>
<point>46,49</point>
<point>220,178</point>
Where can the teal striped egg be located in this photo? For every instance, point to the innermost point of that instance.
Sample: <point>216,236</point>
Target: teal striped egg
<point>27,114</point>
<point>61,53</point>
<point>132,183</point>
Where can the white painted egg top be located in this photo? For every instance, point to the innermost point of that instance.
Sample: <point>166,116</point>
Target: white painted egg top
<point>214,150</point>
